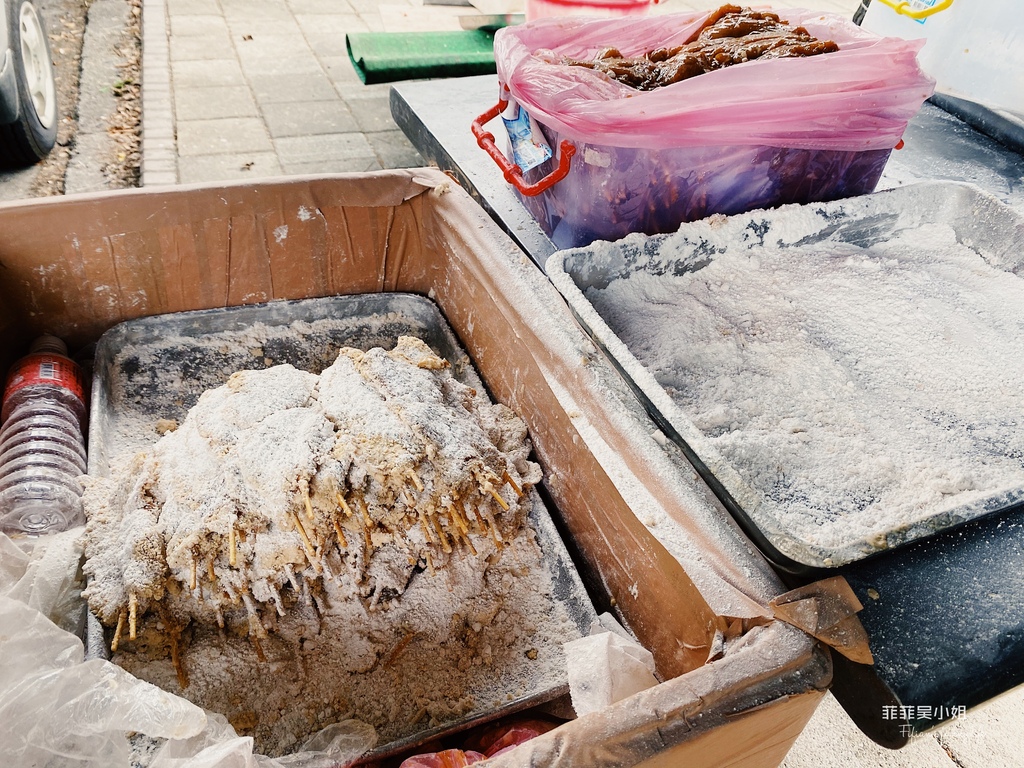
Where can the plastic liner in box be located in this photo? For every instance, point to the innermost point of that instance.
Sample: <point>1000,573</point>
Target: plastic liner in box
<point>157,367</point>
<point>908,452</point>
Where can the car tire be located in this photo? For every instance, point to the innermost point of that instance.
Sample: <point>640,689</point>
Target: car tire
<point>31,137</point>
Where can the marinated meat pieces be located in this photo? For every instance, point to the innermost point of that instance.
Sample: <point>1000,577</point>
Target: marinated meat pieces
<point>731,35</point>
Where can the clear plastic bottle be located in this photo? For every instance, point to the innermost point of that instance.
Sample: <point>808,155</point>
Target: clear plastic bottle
<point>42,443</point>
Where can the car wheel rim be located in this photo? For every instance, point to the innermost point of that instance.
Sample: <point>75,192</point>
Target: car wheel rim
<point>38,68</point>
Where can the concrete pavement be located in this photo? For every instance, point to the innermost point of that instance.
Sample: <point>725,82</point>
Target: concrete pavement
<point>251,88</point>
<point>94,144</point>
<point>243,89</point>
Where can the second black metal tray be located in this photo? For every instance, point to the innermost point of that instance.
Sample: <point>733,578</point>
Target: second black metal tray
<point>866,391</point>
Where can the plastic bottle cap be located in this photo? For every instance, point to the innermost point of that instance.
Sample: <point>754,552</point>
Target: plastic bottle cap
<point>48,344</point>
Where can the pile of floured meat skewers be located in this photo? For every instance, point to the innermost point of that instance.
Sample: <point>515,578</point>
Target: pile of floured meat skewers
<point>282,481</point>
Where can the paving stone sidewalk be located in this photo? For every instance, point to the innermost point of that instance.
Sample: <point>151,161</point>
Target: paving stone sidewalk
<point>253,88</point>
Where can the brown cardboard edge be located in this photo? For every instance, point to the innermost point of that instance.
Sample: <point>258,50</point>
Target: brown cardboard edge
<point>78,265</point>
<point>722,714</point>
<point>84,241</point>
<point>827,609</point>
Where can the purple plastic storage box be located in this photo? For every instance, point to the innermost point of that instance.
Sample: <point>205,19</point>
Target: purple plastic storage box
<point>758,134</point>
<point>610,192</point>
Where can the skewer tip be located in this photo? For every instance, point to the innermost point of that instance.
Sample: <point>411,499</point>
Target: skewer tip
<point>133,613</point>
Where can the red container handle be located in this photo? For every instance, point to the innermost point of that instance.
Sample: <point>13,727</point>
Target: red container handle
<point>512,172</point>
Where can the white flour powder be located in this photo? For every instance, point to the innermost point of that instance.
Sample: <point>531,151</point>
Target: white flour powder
<point>462,642</point>
<point>307,548</point>
<point>856,391</point>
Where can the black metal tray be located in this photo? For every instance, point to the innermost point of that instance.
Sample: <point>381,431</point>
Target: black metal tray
<point>983,228</point>
<point>157,367</point>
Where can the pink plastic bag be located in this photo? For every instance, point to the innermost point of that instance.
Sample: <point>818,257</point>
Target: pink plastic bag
<point>857,98</point>
<point>512,736</point>
<point>754,135</point>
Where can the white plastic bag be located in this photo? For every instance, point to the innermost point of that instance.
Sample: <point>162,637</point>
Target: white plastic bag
<point>59,710</point>
<point>56,709</point>
<point>606,667</point>
<point>43,574</point>
<point>218,746</point>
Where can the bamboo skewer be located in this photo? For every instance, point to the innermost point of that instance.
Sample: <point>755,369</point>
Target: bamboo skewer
<point>463,535</point>
<point>179,668</point>
<point>307,502</point>
<point>401,646</point>
<point>321,557</point>
<point>497,497</point>
<point>133,615</point>
<point>314,563</point>
<point>367,520</point>
<point>440,534</point>
<point>492,527</point>
<point>250,608</point>
<point>259,648</point>
<point>416,480</point>
<point>481,526</point>
<point>117,632</point>
<point>277,599</point>
<point>342,541</point>
<point>508,479</point>
<point>231,545</point>
<point>341,500</point>
<point>329,575</point>
<point>256,628</point>
<point>307,544</point>
<point>451,531</point>
<point>459,520</point>
<point>174,633</point>
<point>367,523</point>
<point>426,528</point>
<point>485,480</point>
<point>319,605</point>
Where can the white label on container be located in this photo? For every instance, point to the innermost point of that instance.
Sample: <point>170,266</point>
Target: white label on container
<point>528,146</point>
<point>920,5</point>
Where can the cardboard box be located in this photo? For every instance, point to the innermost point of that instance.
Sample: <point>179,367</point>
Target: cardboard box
<point>652,543</point>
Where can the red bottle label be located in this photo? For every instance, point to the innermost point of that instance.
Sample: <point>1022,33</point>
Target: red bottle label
<point>45,369</point>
